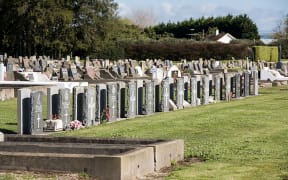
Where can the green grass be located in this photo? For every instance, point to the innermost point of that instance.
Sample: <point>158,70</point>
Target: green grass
<point>241,139</point>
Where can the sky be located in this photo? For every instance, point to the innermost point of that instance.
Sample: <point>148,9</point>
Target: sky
<point>265,13</point>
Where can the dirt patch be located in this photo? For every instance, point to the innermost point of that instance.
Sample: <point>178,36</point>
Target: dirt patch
<point>164,172</point>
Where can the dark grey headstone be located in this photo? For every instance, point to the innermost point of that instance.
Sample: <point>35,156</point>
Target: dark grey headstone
<point>36,112</point>
<point>64,107</point>
<point>132,95</point>
<point>78,103</point>
<point>89,106</point>
<point>101,100</point>
<point>23,111</point>
<point>149,101</point>
<point>165,95</point>
<point>52,102</point>
<point>139,84</point>
<point>122,99</point>
<point>180,93</point>
<point>193,91</point>
<point>112,100</point>
<point>205,87</point>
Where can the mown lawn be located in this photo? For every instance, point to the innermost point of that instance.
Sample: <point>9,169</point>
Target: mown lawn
<point>241,139</point>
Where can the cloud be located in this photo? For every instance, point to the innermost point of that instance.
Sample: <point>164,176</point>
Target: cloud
<point>168,8</point>
<point>124,10</point>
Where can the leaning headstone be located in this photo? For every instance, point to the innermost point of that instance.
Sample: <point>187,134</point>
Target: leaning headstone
<point>255,82</point>
<point>193,91</point>
<point>113,101</point>
<point>246,83</point>
<point>36,112</point>
<point>149,101</point>
<point>132,95</point>
<point>23,111</point>
<point>78,103</point>
<point>101,101</point>
<point>205,87</point>
<point>237,85</point>
<point>180,93</point>
<point>64,107</point>
<point>217,89</point>
<point>89,106</point>
<point>165,95</point>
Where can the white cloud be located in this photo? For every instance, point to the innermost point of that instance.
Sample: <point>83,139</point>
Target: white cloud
<point>124,10</point>
<point>168,8</point>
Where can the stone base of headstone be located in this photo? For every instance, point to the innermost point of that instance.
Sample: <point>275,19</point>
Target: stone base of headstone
<point>1,137</point>
<point>186,104</point>
<point>172,105</point>
<point>276,83</point>
<point>53,125</point>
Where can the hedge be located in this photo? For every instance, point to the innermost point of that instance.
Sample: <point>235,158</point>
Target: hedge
<point>267,53</point>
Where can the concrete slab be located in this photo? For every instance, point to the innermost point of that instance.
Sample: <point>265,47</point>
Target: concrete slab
<point>100,158</point>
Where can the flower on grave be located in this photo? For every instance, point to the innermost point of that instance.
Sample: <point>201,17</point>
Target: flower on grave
<point>75,124</point>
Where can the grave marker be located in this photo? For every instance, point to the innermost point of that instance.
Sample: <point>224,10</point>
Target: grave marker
<point>64,107</point>
<point>165,95</point>
<point>180,93</point>
<point>132,94</point>
<point>36,112</point>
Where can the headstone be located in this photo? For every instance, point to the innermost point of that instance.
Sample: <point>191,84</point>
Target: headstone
<point>64,74</point>
<point>9,67</point>
<point>227,87</point>
<point>64,107</point>
<point>112,100</point>
<point>255,83</point>
<point>180,93</point>
<point>217,89</point>
<point>139,84</point>
<point>149,101</point>
<point>122,99</point>
<point>1,137</point>
<point>237,85</point>
<point>165,95</point>
<point>186,84</point>
<point>23,111</point>
<point>101,101</point>
<point>171,89</point>
<point>193,91</point>
<point>132,95</point>
<point>156,96</point>
<point>52,102</point>
<point>37,67</point>
<point>89,106</point>
<point>2,71</point>
<point>36,112</point>
<point>78,103</point>
<point>74,73</point>
<point>246,83</point>
<point>205,91</point>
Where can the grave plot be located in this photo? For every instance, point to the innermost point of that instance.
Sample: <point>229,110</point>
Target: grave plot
<point>100,158</point>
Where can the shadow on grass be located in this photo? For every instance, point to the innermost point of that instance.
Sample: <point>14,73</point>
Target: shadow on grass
<point>11,123</point>
<point>7,131</point>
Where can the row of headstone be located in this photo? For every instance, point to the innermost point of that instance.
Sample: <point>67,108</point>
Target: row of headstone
<point>114,100</point>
